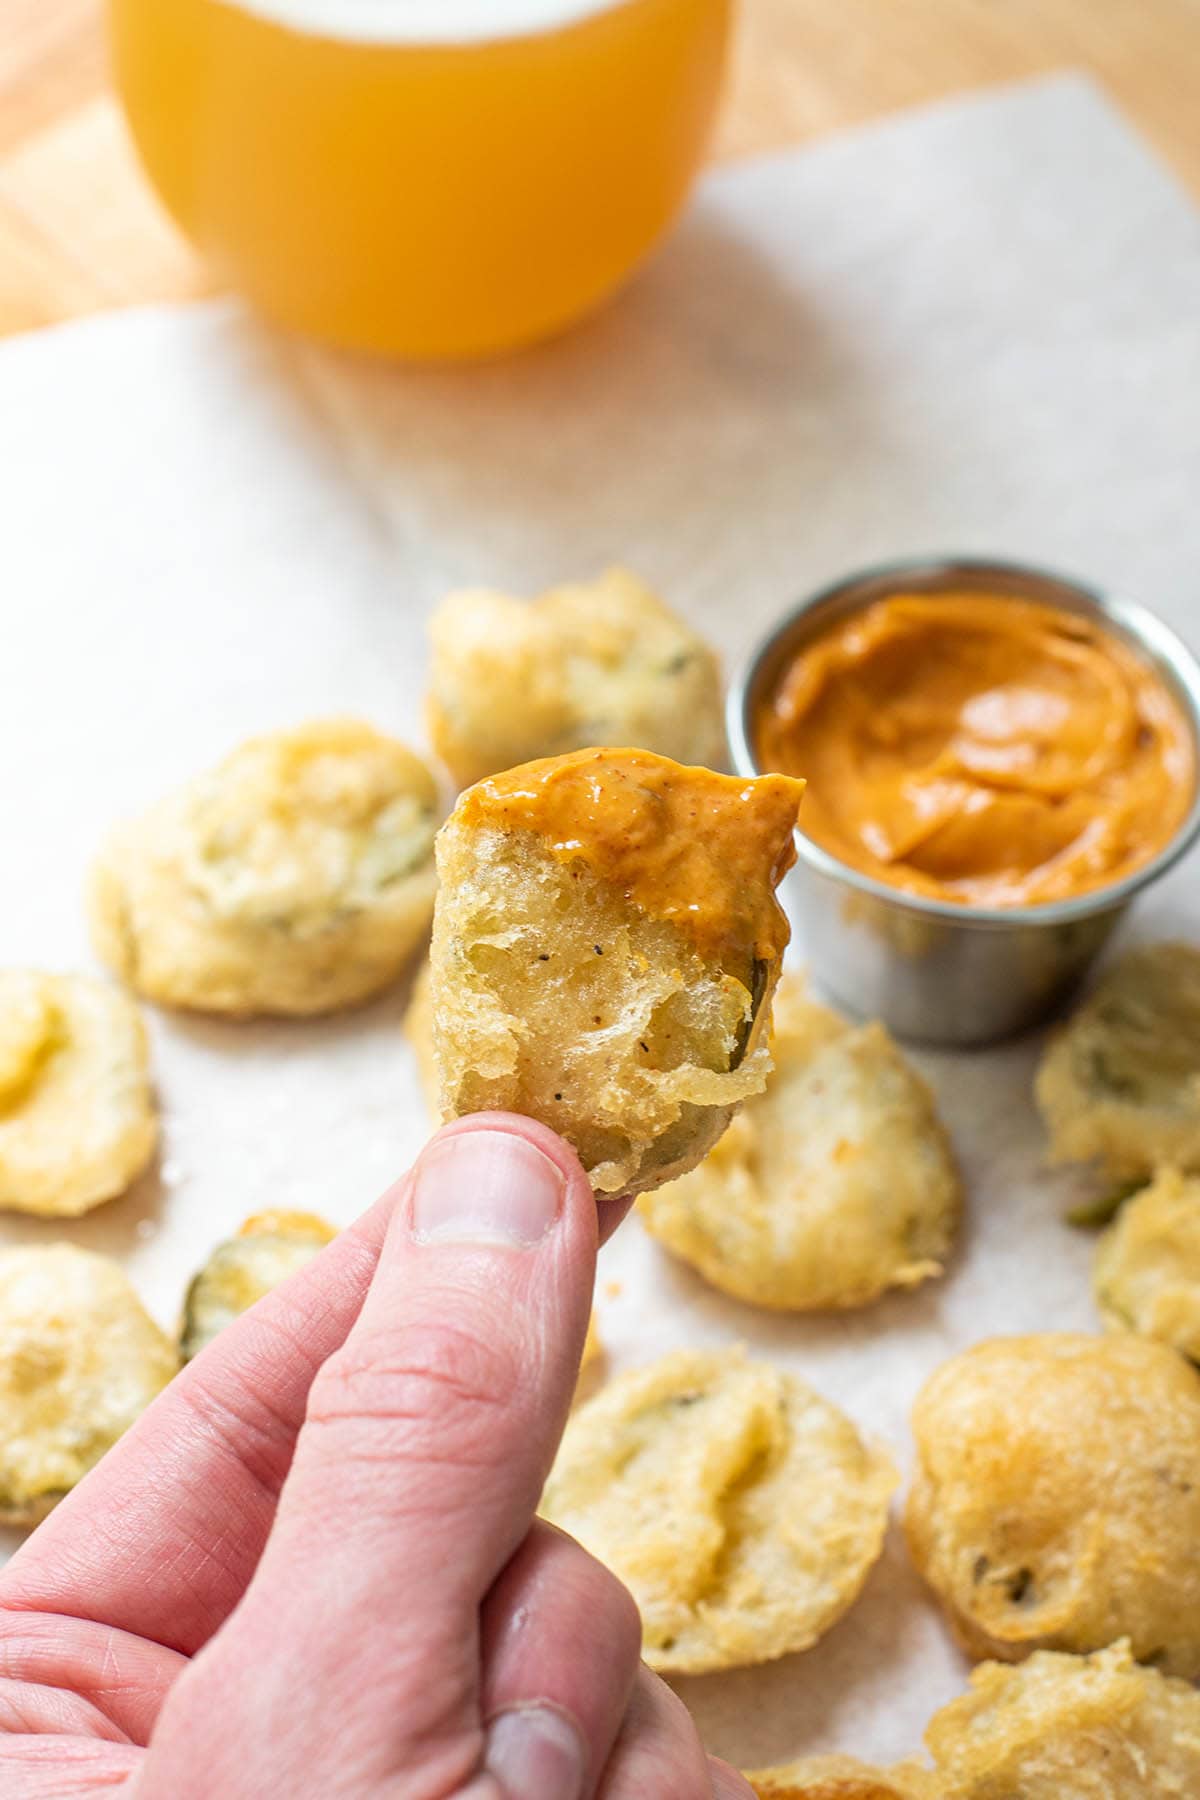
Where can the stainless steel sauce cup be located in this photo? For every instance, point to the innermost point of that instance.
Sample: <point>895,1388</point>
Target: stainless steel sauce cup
<point>931,969</point>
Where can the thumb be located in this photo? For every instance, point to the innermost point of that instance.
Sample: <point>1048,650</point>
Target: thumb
<point>418,1469</point>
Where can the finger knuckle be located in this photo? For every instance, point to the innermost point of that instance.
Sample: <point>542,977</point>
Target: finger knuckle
<point>595,1593</point>
<point>434,1388</point>
<point>240,1416</point>
<point>609,1599</point>
<point>626,1619</point>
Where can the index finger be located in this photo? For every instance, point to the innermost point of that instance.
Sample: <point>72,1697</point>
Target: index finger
<point>417,1472</point>
<point>429,1436</point>
<point>145,1542</point>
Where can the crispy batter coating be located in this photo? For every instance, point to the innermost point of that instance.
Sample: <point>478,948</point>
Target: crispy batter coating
<point>1147,1274</point>
<point>742,1510</point>
<point>606,942</point>
<point>1057,1498</point>
<point>1120,1082</point>
<point>77,1118</point>
<point>295,878</point>
<point>599,662</point>
<point>267,1249</point>
<point>836,1183</point>
<point>1069,1728</point>
<point>80,1358</point>
<point>842,1778</point>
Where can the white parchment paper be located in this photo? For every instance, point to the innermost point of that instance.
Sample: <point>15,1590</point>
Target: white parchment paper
<point>976,328</point>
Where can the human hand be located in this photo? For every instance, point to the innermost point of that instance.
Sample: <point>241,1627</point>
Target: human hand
<point>313,1566</point>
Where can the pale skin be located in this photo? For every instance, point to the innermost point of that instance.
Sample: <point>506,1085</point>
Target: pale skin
<point>313,1568</point>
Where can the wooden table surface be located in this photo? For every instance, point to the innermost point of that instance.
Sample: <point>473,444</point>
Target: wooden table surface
<point>79,230</point>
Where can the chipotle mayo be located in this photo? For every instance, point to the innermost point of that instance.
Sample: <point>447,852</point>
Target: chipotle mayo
<point>981,749</point>
<point>702,850</point>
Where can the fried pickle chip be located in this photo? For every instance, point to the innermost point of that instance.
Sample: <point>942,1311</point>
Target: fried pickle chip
<point>605,946</point>
<point>600,662</point>
<point>1069,1728</point>
<point>77,1118</point>
<point>1147,1274</point>
<point>842,1778</point>
<point>834,1184</point>
<point>267,1249</point>
<point>1057,1498</point>
<point>80,1358</point>
<point>295,878</point>
<point>742,1510</point>
<point>1120,1082</point>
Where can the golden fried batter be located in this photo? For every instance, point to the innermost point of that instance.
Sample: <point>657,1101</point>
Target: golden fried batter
<point>1057,1498</point>
<point>79,1360</point>
<point>267,1249</point>
<point>605,945</point>
<point>1069,1728</point>
<point>295,878</point>
<point>601,662</point>
<point>1120,1082</point>
<point>842,1778</point>
<point>1147,1276</point>
<point>77,1119</point>
<point>742,1510</point>
<point>836,1183</point>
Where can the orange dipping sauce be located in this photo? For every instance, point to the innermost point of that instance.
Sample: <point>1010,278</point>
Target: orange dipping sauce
<point>705,851</point>
<point>981,749</point>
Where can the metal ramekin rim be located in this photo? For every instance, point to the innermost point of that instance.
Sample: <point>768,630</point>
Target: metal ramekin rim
<point>1133,620</point>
